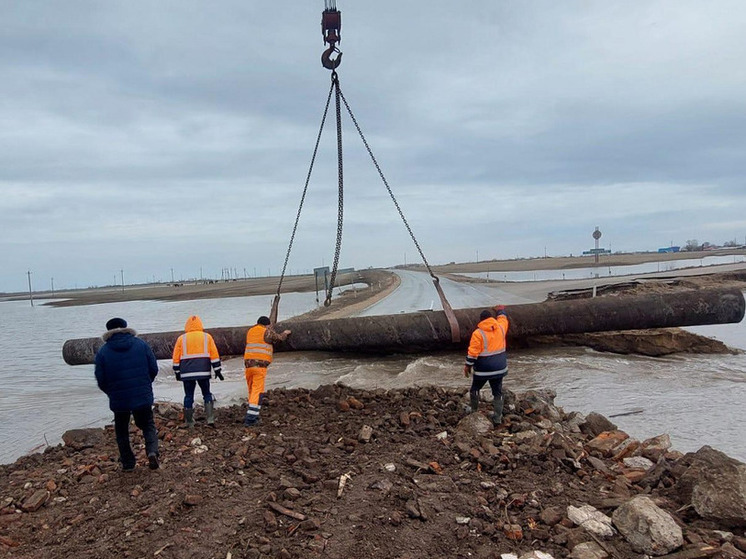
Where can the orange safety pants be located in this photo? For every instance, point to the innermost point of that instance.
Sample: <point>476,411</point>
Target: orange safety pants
<point>255,377</point>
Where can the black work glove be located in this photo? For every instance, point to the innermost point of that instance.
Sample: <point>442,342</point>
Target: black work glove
<point>219,375</point>
<point>178,376</point>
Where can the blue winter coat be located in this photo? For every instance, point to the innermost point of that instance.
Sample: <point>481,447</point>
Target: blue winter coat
<point>125,370</point>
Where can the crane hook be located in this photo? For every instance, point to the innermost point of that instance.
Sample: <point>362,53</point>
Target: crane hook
<point>328,62</point>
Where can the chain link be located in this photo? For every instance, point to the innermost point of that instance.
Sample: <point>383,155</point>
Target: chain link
<point>340,181</point>
<point>385,182</point>
<point>305,188</point>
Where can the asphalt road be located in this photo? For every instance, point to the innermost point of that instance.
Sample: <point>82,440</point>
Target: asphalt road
<point>417,292</point>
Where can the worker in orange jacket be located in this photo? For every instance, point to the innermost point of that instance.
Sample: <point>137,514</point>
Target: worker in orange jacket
<point>257,357</point>
<point>195,356</point>
<point>488,359</point>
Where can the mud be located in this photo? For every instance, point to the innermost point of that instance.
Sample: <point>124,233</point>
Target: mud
<point>420,481</point>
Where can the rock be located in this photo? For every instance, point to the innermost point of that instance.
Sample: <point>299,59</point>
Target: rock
<point>382,485</point>
<point>525,436</point>
<point>638,463</point>
<point>270,521</point>
<point>342,405</point>
<point>598,465</point>
<point>591,520</point>
<point>654,448</point>
<point>728,551</point>
<point>588,550</point>
<point>292,493</point>
<point>193,500</point>
<point>552,515</point>
<point>35,501</point>
<point>536,555</point>
<point>715,485</point>
<point>607,441</point>
<point>595,424</point>
<point>542,402</point>
<point>463,520</point>
<point>626,448</point>
<point>474,425</point>
<point>404,418</point>
<point>412,510</point>
<point>354,403</point>
<point>513,532</point>
<point>648,528</point>
<point>366,432</point>
<point>79,439</point>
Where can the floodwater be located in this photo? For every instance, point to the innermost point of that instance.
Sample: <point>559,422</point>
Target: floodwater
<point>696,399</point>
<point>601,271</point>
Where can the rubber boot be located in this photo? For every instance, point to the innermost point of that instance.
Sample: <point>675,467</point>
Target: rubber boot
<point>474,401</point>
<point>189,417</point>
<point>210,411</point>
<point>497,405</point>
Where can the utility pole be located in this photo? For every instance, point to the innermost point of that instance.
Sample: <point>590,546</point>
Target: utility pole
<point>52,281</point>
<point>172,275</point>
<point>30,291</point>
<point>121,271</point>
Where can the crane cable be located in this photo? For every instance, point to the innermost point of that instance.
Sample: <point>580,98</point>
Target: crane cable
<point>331,25</point>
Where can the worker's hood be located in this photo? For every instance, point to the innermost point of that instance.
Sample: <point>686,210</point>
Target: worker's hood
<point>488,324</point>
<point>193,324</point>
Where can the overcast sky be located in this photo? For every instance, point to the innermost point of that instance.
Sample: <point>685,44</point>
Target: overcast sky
<point>151,136</point>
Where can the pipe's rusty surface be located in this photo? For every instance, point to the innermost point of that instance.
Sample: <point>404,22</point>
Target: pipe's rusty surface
<point>429,330</point>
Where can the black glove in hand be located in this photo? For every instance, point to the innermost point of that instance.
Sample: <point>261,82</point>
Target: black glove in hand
<point>178,376</point>
<point>219,375</point>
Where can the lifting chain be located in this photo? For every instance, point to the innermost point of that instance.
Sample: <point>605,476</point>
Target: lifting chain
<point>340,198</point>
<point>276,302</point>
<point>452,321</point>
<point>331,24</point>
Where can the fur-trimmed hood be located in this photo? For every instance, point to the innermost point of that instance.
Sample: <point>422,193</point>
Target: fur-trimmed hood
<point>106,336</point>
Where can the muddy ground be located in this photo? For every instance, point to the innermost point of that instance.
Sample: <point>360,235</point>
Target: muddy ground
<point>422,480</point>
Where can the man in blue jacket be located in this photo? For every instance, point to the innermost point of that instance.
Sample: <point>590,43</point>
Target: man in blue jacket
<point>125,370</point>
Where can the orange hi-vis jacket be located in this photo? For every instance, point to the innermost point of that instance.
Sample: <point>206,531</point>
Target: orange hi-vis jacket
<point>487,347</point>
<point>257,348</point>
<point>195,352</point>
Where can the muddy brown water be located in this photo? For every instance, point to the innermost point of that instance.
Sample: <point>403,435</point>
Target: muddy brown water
<point>696,399</point>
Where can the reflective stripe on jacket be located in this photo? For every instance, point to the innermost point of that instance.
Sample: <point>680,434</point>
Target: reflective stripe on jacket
<point>195,352</point>
<point>487,347</point>
<point>256,346</point>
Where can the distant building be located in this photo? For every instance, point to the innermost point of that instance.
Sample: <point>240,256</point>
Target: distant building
<point>669,249</point>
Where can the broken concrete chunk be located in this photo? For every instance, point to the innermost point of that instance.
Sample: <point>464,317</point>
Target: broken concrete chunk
<point>591,520</point>
<point>648,528</point>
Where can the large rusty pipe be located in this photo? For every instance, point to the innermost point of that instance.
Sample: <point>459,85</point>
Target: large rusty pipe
<point>429,330</point>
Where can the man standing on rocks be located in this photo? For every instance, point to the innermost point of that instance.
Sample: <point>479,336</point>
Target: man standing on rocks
<point>125,370</point>
<point>257,357</point>
<point>195,357</point>
<point>488,359</point>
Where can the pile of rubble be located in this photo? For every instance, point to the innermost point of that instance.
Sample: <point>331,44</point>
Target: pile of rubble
<point>339,472</point>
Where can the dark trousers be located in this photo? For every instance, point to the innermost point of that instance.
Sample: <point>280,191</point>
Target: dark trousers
<point>190,385</point>
<point>144,421</point>
<point>496,384</point>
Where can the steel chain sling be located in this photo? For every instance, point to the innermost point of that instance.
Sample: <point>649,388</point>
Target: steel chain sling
<point>331,25</point>
<point>276,302</point>
<point>452,321</point>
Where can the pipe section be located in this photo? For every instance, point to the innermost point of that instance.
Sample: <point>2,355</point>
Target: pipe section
<point>429,330</point>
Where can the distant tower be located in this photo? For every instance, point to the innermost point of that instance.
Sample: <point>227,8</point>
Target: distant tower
<point>596,237</point>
